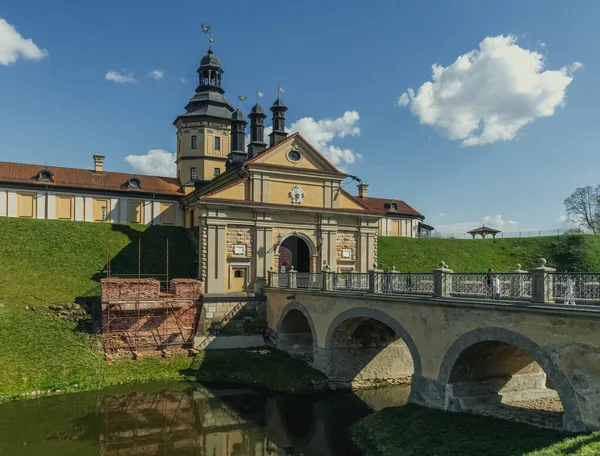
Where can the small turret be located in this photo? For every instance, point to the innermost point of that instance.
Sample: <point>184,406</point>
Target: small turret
<point>257,131</point>
<point>279,134</point>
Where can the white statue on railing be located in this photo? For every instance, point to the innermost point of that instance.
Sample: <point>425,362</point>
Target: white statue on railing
<point>570,291</point>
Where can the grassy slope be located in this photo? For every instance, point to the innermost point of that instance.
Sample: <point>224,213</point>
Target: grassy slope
<point>567,253</point>
<point>44,262</point>
<point>393,431</point>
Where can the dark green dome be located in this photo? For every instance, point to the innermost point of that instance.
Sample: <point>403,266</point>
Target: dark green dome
<point>257,109</point>
<point>238,116</point>
<point>278,103</point>
<point>210,59</point>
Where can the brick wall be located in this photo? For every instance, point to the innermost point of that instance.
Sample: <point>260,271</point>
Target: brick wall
<point>136,316</point>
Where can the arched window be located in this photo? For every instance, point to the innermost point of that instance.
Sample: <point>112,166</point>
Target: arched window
<point>134,183</point>
<point>393,207</point>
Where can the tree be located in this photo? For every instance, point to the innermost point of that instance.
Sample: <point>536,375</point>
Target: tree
<point>583,208</point>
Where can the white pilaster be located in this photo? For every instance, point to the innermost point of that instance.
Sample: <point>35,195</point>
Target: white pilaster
<point>148,213</point>
<point>123,202</point>
<point>40,205</point>
<point>180,214</point>
<point>156,213</point>
<point>2,202</point>
<point>79,208</point>
<point>12,203</point>
<point>114,210</point>
<point>89,209</point>
<point>51,206</point>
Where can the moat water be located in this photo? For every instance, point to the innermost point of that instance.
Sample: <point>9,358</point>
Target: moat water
<point>182,419</point>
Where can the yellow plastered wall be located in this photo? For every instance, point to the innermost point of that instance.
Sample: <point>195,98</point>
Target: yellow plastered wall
<point>347,203</point>
<point>26,205</point>
<point>238,192</point>
<point>281,158</point>
<point>65,205</point>
<point>100,203</point>
<point>168,213</point>
<point>208,169</point>
<point>209,142</point>
<point>279,192</point>
<point>135,212</point>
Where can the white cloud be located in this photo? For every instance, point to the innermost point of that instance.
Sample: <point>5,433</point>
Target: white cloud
<point>13,46</point>
<point>121,78</point>
<point>498,222</point>
<point>404,99</point>
<point>489,94</point>
<point>441,214</point>
<point>157,74</point>
<point>321,134</point>
<point>157,162</point>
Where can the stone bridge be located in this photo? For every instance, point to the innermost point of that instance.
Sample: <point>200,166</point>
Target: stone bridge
<point>455,352</point>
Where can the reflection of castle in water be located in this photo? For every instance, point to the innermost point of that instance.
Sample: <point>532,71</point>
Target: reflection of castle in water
<point>227,423</point>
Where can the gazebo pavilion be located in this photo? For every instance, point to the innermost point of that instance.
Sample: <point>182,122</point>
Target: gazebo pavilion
<point>483,231</point>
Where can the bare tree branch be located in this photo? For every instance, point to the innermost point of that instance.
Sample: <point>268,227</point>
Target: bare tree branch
<point>583,207</point>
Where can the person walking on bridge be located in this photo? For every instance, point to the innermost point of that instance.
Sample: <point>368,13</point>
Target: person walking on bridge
<point>570,291</point>
<point>496,286</point>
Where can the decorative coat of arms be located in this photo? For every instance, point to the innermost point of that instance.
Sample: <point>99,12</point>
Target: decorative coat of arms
<point>296,194</point>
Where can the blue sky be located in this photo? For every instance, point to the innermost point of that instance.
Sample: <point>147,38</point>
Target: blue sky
<point>348,62</point>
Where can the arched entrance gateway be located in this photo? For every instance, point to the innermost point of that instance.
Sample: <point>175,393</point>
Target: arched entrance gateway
<point>294,251</point>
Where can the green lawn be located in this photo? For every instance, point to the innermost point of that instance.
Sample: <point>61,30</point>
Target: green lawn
<point>566,253</point>
<point>43,352</point>
<point>411,430</point>
<point>46,262</point>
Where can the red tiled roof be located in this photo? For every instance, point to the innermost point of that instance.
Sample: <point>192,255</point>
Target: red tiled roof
<point>86,179</point>
<point>378,205</point>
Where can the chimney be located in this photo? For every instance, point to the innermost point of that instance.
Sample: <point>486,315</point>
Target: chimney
<point>362,190</point>
<point>98,160</point>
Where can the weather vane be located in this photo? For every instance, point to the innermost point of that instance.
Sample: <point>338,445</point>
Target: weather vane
<point>241,98</point>
<point>259,94</point>
<point>206,29</point>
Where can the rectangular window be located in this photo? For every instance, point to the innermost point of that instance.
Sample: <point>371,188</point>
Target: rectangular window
<point>193,175</point>
<point>101,209</point>
<point>64,207</point>
<point>135,212</point>
<point>217,171</point>
<point>217,143</point>
<point>26,205</point>
<point>168,213</point>
<point>194,142</point>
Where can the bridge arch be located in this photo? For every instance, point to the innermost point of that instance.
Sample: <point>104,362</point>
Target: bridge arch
<point>365,344</point>
<point>494,338</point>
<point>296,332</point>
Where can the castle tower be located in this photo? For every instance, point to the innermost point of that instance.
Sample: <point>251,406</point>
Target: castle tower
<point>278,109</point>
<point>204,130</point>
<point>238,138</point>
<point>257,131</point>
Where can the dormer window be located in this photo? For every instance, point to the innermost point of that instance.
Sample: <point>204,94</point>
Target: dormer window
<point>393,207</point>
<point>134,183</point>
<point>45,175</point>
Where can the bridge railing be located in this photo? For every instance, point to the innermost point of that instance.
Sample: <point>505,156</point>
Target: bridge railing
<point>573,288</point>
<point>503,285</point>
<point>540,284</point>
<point>406,283</point>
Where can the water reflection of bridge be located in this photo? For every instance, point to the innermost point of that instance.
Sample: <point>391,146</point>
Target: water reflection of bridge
<point>212,422</point>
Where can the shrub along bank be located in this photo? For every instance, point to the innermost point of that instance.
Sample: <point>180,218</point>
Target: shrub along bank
<point>411,430</point>
<point>573,253</point>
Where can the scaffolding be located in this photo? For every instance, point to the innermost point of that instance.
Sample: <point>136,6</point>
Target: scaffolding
<point>135,323</point>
